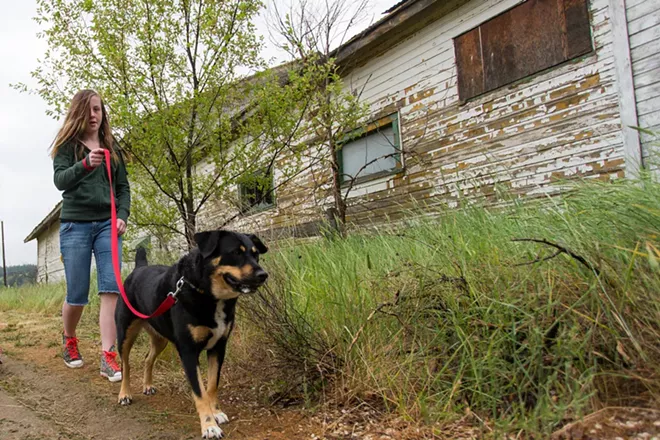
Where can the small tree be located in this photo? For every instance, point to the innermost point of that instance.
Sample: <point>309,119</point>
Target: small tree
<point>167,71</point>
<point>314,35</point>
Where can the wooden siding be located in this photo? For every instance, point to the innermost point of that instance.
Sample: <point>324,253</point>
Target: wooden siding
<point>299,204</point>
<point>644,32</point>
<point>50,268</point>
<point>523,137</point>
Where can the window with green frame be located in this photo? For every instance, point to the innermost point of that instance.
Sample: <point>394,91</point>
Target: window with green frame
<point>256,192</point>
<point>372,151</point>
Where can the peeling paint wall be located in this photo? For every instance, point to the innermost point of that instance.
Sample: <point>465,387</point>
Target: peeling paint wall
<point>50,268</point>
<point>299,203</point>
<point>643,18</point>
<point>522,138</point>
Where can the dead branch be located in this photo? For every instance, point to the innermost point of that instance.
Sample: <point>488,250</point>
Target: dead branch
<point>561,249</point>
<point>378,309</point>
<point>538,260</point>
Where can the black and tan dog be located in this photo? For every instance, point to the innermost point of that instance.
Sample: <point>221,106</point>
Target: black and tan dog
<point>223,265</point>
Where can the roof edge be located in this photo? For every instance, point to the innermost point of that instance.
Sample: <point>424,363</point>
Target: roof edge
<point>392,18</point>
<point>400,22</point>
<point>45,223</point>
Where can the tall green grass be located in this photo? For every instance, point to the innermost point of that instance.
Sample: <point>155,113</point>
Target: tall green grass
<point>46,299</point>
<point>33,298</point>
<point>450,313</point>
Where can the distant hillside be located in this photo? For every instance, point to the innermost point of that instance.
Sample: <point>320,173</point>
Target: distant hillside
<point>19,275</point>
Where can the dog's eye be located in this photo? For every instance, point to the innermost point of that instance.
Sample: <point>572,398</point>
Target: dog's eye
<point>238,252</point>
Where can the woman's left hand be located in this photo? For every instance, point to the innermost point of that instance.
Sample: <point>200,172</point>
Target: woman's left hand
<point>121,226</point>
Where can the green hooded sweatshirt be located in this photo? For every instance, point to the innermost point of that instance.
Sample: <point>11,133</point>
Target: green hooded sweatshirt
<point>86,194</point>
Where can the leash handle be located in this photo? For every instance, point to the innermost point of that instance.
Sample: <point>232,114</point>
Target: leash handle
<point>170,300</point>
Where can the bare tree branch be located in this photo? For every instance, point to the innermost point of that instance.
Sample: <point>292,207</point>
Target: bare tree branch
<point>561,249</point>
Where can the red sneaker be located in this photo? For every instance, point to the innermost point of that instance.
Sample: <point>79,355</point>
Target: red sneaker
<point>109,366</point>
<point>70,353</point>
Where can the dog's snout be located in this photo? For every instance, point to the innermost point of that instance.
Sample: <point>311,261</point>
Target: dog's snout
<point>260,275</point>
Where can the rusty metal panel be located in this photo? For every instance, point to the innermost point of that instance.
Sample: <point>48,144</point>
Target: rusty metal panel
<point>522,41</point>
<point>469,64</point>
<point>578,31</point>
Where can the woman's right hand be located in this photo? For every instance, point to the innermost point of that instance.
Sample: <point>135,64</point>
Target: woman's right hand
<point>95,157</point>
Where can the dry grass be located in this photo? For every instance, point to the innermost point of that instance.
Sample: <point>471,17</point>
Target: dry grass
<point>450,316</point>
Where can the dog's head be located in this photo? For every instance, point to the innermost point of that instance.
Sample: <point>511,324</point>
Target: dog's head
<point>231,262</point>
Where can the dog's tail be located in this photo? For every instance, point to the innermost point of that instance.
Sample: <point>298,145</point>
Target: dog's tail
<point>141,257</point>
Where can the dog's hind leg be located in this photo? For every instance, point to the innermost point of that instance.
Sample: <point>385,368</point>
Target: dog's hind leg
<point>190,361</point>
<point>216,357</point>
<point>125,339</point>
<point>157,345</point>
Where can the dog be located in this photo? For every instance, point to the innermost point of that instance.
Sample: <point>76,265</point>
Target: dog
<point>223,266</point>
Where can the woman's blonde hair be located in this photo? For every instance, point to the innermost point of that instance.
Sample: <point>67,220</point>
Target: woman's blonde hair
<point>76,123</point>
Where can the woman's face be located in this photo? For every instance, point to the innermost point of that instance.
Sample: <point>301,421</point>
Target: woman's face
<point>95,114</point>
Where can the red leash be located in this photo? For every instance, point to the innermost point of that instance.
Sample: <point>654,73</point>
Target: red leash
<point>171,297</point>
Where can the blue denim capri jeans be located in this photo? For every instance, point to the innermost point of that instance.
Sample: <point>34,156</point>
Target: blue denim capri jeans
<point>78,240</point>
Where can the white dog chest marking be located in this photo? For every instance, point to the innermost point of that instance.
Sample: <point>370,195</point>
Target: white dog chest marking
<point>219,331</point>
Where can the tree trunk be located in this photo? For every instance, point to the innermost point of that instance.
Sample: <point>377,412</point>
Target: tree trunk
<point>188,199</point>
<point>190,229</point>
<point>340,205</point>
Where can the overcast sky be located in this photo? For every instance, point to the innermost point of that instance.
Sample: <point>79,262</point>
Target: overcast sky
<point>27,193</point>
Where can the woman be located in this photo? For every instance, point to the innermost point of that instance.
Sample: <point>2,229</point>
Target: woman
<point>78,156</point>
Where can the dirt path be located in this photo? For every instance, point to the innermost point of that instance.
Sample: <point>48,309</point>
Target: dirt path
<point>66,408</point>
<point>18,422</point>
<point>41,402</point>
<point>41,398</point>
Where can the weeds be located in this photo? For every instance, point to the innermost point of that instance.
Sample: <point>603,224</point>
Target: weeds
<point>529,315</point>
<point>526,317</point>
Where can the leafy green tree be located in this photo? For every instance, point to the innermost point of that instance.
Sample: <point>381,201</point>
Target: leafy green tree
<point>192,125</point>
<point>169,73</point>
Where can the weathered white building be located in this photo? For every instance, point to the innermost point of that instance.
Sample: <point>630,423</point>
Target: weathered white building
<point>486,95</point>
<point>479,96</point>
<point>643,26</point>
<point>50,268</point>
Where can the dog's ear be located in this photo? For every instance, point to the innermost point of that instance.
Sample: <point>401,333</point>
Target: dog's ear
<point>207,242</point>
<point>261,247</point>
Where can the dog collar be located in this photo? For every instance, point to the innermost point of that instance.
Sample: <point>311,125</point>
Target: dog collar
<point>191,285</point>
<point>179,286</point>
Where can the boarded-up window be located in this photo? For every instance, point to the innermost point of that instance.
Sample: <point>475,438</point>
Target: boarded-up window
<point>529,38</point>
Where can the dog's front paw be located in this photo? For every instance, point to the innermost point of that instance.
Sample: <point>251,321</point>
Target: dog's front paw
<point>212,432</point>
<point>149,391</point>
<point>220,418</point>
<point>125,400</point>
